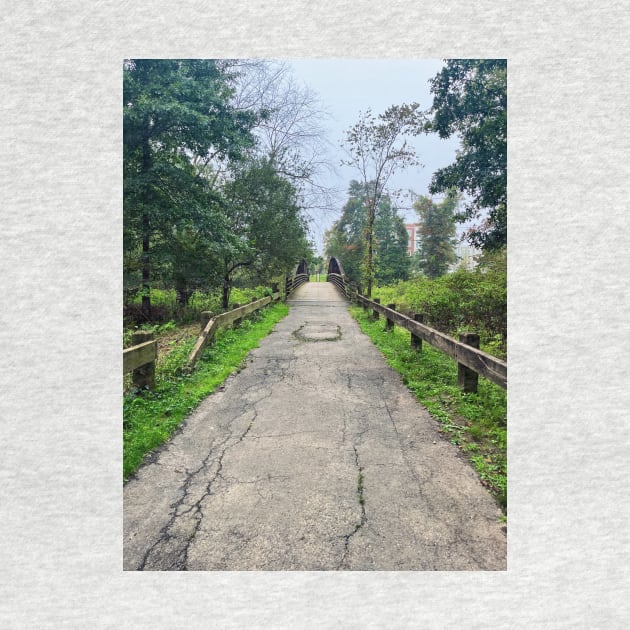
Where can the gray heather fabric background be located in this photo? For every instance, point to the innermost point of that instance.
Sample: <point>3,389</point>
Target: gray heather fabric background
<point>60,408</point>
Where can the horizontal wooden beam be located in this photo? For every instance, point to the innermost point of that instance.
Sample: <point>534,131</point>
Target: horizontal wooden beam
<point>481,362</point>
<point>238,313</point>
<point>296,281</point>
<point>223,320</point>
<point>337,280</point>
<point>139,355</point>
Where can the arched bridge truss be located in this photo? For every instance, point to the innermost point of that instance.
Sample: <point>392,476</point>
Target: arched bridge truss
<point>335,275</point>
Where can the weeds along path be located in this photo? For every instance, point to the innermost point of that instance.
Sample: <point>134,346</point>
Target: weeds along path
<point>314,457</point>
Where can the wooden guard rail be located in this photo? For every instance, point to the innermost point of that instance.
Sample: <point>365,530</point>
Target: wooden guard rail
<point>294,282</point>
<point>338,281</point>
<point>466,356</point>
<point>141,358</point>
<point>222,320</point>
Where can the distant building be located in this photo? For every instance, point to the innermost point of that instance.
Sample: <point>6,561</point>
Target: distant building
<point>466,253</point>
<point>466,256</point>
<point>412,243</point>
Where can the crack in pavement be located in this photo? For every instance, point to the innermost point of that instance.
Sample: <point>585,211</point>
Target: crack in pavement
<point>168,534</point>
<point>403,450</point>
<point>364,518</point>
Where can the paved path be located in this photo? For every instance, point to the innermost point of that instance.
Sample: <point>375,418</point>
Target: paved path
<point>314,457</point>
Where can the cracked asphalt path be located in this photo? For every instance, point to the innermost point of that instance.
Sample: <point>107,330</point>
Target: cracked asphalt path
<point>314,457</point>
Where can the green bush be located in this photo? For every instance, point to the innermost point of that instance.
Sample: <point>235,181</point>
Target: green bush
<point>473,301</point>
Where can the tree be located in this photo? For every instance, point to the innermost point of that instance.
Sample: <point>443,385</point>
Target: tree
<point>470,99</point>
<point>392,258</point>
<point>436,247</point>
<point>375,149</point>
<point>173,112</point>
<point>290,129</point>
<point>345,240</point>
<point>266,233</point>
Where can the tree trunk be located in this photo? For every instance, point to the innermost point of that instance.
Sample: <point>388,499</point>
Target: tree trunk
<point>183,292</point>
<point>146,270</point>
<point>369,263</point>
<point>227,287</point>
<point>370,248</point>
<point>146,237</point>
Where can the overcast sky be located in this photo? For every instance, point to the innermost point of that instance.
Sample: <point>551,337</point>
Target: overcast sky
<point>347,87</point>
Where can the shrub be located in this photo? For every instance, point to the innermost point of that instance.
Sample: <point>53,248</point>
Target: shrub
<point>474,301</point>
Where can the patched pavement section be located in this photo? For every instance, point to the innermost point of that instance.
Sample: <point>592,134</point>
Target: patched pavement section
<point>314,457</point>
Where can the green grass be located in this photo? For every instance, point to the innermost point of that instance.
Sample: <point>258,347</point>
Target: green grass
<point>476,423</point>
<point>150,417</point>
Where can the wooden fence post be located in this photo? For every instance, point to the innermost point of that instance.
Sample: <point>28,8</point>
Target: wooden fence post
<point>416,342</point>
<point>389,324</point>
<point>237,322</point>
<point>467,379</point>
<point>206,316</point>
<point>374,311</point>
<point>143,376</point>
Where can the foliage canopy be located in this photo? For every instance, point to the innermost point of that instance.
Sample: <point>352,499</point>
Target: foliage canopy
<point>436,234</point>
<point>470,100</point>
<point>346,238</point>
<point>201,199</point>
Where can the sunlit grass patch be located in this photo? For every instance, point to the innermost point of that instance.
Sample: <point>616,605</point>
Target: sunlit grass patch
<point>150,417</point>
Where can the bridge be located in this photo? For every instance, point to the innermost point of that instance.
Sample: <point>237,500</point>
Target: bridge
<point>314,457</point>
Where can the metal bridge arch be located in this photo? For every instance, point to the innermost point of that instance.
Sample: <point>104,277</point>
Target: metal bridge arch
<point>336,275</point>
<point>302,268</point>
<point>334,266</point>
<point>300,276</point>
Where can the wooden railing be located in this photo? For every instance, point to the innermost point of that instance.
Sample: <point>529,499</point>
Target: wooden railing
<point>471,361</point>
<point>212,324</point>
<point>293,282</point>
<point>339,281</point>
<point>141,358</point>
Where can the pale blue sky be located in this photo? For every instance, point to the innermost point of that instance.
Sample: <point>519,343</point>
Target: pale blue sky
<point>347,87</point>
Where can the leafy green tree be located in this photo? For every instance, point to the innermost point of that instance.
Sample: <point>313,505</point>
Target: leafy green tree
<point>436,242</point>
<point>173,112</point>
<point>392,258</point>
<point>346,239</point>
<point>266,233</point>
<point>470,100</point>
<point>376,148</point>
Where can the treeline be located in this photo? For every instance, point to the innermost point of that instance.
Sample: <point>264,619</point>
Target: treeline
<point>469,101</point>
<point>214,181</point>
<point>346,240</point>
<point>436,242</point>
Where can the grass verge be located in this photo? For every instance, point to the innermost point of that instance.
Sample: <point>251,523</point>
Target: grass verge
<point>476,423</point>
<point>150,417</point>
